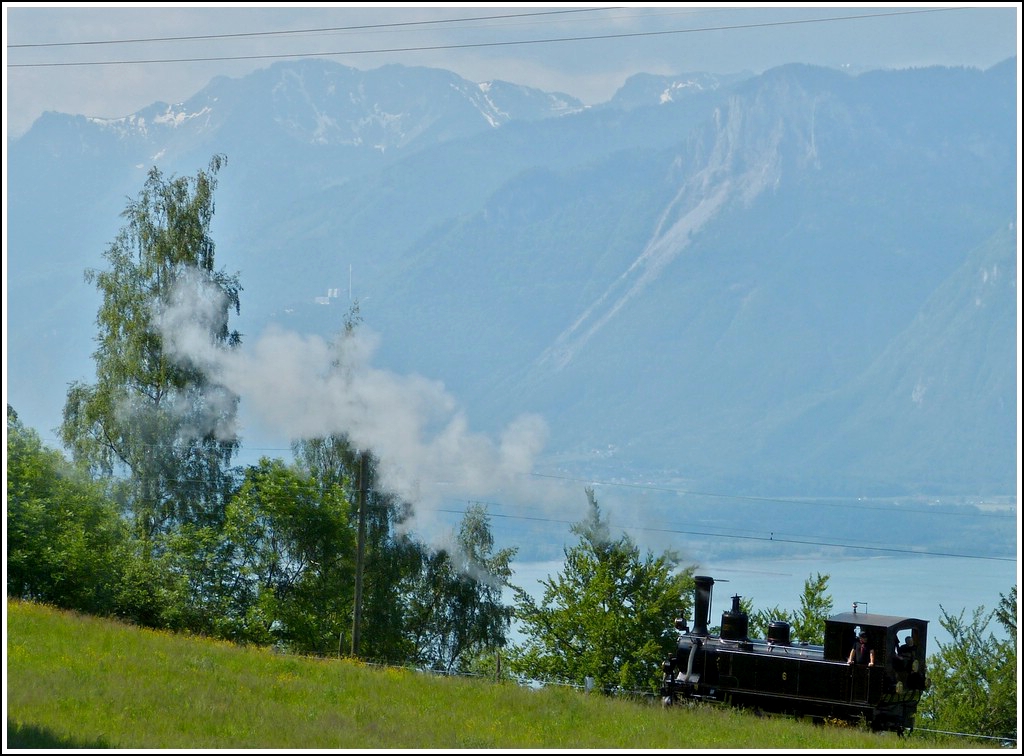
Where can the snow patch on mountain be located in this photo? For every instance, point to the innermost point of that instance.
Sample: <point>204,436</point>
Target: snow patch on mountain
<point>157,115</point>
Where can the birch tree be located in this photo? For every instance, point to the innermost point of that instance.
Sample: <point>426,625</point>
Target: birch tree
<point>151,416</point>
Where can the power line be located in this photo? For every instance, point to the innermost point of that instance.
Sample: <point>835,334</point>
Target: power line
<point>771,538</point>
<point>769,499</point>
<point>429,48</point>
<point>319,30</point>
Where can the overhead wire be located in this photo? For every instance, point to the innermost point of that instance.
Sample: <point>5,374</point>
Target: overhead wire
<point>770,538</point>
<point>815,501</point>
<point>472,45</point>
<point>316,30</point>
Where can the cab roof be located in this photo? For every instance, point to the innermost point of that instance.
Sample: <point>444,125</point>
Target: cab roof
<point>864,619</point>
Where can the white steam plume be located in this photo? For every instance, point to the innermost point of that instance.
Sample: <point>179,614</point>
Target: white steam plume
<point>305,387</point>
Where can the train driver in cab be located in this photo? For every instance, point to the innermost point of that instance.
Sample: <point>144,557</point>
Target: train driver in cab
<point>862,652</point>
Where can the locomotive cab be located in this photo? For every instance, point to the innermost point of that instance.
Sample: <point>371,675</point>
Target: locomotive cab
<point>900,645</point>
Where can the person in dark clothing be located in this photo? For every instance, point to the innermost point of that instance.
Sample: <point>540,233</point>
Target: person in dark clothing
<point>911,663</point>
<point>862,652</point>
<point>906,652</point>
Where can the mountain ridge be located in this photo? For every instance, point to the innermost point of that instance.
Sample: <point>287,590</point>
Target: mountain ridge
<point>753,250</point>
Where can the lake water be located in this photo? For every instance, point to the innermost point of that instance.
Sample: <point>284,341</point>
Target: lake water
<point>910,586</point>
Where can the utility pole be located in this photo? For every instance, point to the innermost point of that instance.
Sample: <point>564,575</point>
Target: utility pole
<point>357,614</point>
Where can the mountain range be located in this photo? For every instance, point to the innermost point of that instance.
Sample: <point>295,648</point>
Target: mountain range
<point>795,283</point>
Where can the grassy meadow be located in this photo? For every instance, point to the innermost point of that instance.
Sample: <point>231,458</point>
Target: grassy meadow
<point>75,681</point>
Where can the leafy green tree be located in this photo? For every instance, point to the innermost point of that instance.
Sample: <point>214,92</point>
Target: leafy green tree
<point>391,559</point>
<point>151,415</point>
<point>457,615</point>
<point>150,591</point>
<point>815,607</point>
<point>807,623</point>
<point>607,616</point>
<point>761,619</point>
<point>291,544</point>
<point>200,592</point>
<point>973,679</point>
<point>65,540</point>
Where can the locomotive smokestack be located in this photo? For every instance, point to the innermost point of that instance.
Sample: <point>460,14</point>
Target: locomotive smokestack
<point>701,603</point>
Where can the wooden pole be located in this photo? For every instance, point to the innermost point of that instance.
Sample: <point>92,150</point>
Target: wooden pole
<point>357,614</point>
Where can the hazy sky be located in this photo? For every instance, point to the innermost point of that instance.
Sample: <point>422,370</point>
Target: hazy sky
<point>83,58</point>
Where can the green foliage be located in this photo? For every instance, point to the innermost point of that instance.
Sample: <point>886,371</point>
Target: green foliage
<point>391,560</point>
<point>760,619</point>
<point>148,588</point>
<point>606,616</point>
<point>201,585</point>
<point>291,544</point>
<point>807,624</point>
<point>815,607</point>
<point>973,679</point>
<point>65,541</point>
<point>456,616</point>
<point>151,414</point>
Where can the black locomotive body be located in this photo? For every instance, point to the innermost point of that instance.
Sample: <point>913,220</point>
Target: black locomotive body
<point>776,675</point>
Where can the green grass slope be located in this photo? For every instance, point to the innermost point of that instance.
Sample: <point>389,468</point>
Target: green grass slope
<point>74,681</point>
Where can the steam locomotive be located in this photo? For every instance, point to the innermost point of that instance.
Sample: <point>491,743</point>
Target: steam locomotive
<point>777,675</point>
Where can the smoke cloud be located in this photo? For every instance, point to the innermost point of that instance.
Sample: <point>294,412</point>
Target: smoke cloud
<point>307,387</point>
